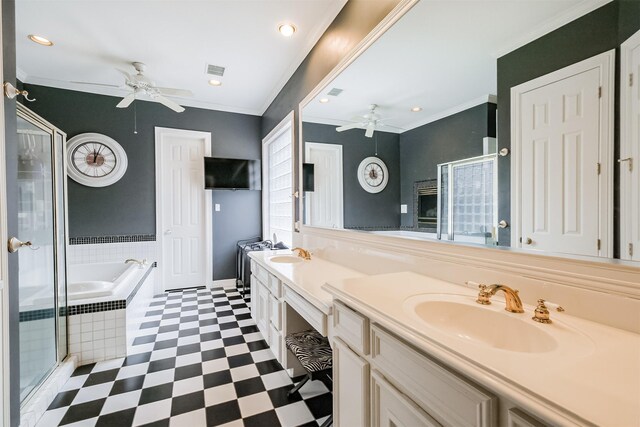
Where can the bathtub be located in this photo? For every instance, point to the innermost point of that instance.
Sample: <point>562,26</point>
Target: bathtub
<point>98,280</point>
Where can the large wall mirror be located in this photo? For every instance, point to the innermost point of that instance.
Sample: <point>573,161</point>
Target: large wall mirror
<point>480,122</point>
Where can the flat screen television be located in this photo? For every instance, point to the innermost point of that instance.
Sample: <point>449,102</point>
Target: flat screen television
<point>231,174</point>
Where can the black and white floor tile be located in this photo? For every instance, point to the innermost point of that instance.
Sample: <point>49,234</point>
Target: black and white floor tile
<point>198,360</point>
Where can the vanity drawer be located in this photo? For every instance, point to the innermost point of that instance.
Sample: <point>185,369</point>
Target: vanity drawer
<point>260,272</point>
<point>316,318</point>
<point>518,418</point>
<point>446,396</point>
<point>275,343</point>
<point>274,285</point>
<point>351,327</point>
<point>275,314</point>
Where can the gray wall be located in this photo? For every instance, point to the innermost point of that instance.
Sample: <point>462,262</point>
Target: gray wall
<point>597,32</point>
<point>128,206</point>
<point>455,137</point>
<point>363,209</point>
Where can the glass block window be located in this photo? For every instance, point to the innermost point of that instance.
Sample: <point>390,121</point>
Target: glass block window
<point>279,203</point>
<point>468,200</point>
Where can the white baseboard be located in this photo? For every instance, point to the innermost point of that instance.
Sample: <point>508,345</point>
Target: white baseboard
<point>225,283</point>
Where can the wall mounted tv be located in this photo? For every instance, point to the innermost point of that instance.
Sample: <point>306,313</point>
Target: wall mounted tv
<point>231,174</point>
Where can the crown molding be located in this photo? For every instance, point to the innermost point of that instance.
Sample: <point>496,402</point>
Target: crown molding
<point>484,99</point>
<point>117,92</point>
<point>581,9</point>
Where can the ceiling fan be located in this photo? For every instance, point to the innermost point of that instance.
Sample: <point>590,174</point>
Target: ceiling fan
<point>141,84</point>
<point>371,122</point>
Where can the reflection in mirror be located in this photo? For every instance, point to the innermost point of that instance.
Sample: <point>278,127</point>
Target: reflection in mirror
<point>407,140</point>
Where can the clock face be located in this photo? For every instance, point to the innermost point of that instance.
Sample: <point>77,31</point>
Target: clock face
<point>95,160</point>
<point>373,175</point>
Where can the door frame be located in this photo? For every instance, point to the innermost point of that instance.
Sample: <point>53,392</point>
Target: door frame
<point>5,387</point>
<point>627,149</point>
<point>605,62</point>
<point>160,133</point>
<point>337,148</point>
<point>286,125</point>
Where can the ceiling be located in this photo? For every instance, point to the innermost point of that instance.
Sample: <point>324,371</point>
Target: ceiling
<point>441,56</point>
<point>175,39</point>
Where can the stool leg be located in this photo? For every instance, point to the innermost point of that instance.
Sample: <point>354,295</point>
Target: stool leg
<point>328,422</point>
<point>299,385</point>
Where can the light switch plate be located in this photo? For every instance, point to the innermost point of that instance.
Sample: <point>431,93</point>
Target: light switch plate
<point>403,208</point>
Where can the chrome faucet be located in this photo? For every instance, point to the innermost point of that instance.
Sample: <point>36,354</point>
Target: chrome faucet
<point>514,304</point>
<point>302,253</point>
<point>135,261</point>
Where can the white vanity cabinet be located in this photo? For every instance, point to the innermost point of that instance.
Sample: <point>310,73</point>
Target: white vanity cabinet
<point>266,307</point>
<point>382,381</point>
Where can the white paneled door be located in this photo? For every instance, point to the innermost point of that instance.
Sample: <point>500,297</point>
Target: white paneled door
<point>324,205</point>
<point>629,161</point>
<point>183,208</point>
<point>561,153</point>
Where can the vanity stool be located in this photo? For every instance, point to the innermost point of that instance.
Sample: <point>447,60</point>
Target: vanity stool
<point>315,355</point>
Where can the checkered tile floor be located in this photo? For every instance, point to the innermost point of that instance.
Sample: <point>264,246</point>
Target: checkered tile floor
<point>198,360</point>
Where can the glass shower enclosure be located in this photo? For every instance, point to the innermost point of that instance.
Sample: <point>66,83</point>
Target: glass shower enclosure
<point>42,265</point>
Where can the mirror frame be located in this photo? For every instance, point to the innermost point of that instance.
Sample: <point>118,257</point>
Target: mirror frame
<point>614,276</point>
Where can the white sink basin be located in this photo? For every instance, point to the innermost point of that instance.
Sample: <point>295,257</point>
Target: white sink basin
<point>286,259</point>
<point>460,316</point>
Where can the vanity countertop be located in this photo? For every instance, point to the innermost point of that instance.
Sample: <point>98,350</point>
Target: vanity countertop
<point>306,277</point>
<point>599,383</point>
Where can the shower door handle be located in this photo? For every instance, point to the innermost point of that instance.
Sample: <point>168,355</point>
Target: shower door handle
<point>14,244</point>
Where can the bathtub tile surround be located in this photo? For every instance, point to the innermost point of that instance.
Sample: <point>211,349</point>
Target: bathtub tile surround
<point>111,251</point>
<point>102,330</point>
<point>88,240</point>
<point>198,359</point>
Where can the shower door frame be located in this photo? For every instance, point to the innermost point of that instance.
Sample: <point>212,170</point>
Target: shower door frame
<point>33,118</point>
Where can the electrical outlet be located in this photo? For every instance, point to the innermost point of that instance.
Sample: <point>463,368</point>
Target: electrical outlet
<point>217,207</point>
<point>403,208</point>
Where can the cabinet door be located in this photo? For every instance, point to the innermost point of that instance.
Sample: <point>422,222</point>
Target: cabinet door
<point>254,297</point>
<point>262,311</point>
<point>390,408</point>
<point>350,387</point>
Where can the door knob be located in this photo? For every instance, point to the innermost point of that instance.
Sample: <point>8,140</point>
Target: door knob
<point>14,244</point>
<point>167,231</point>
<point>528,241</point>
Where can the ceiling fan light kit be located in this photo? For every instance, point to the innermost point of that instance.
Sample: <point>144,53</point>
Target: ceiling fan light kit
<point>370,122</point>
<point>140,84</point>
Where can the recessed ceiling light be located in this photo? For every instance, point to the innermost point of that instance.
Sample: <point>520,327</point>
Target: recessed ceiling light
<point>416,109</point>
<point>40,40</point>
<point>287,30</point>
<point>324,100</point>
<point>214,82</point>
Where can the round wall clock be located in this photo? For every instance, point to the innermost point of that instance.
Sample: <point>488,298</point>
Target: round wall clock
<point>373,174</point>
<point>95,160</point>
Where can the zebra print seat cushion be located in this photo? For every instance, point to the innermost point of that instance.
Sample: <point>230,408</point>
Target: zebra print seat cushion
<point>311,349</point>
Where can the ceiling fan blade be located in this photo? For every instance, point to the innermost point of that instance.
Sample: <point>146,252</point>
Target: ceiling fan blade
<point>174,92</point>
<point>126,101</point>
<point>95,84</point>
<point>169,103</point>
<point>126,75</point>
<point>349,126</point>
<point>370,128</point>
